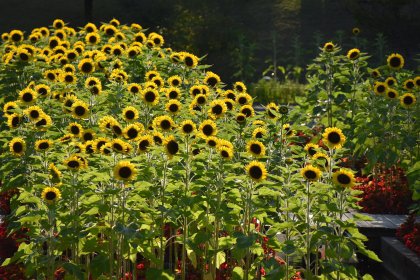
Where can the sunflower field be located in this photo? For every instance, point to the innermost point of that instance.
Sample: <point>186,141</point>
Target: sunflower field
<point>129,160</point>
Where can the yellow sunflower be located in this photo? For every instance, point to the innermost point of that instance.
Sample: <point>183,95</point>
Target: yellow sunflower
<point>272,110</point>
<point>171,145</point>
<point>74,163</point>
<point>217,108</point>
<point>380,88</point>
<point>157,137</point>
<point>391,81</point>
<point>190,60</point>
<point>125,171</point>
<point>130,114</point>
<point>87,135</point>
<point>208,128</point>
<point>226,152</point>
<point>173,93</point>
<point>200,99</point>
<point>86,66</point>
<point>375,73</point>
<point>34,112</point>
<point>187,127</point>
<point>118,145</point>
<point>417,81</point>
<point>68,78</point>
<point>164,123</point>
<point>409,84</point>
<point>353,54</point>
<point>212,79</point>
<point>150,96</point>
<point>43,144</point>
<point>391,93</point>
<point>58,24</point>
<point>55,173</point>
<point>16,36</point>
<point>247,110</point>
<point>134,88</point>
<point>144,142</point>
<point>51,195</point>
<point>243,98</point>
<point>408,100</point>
<point>173,106</point>
<point>10,107</point>
<point>255,148</point>
<point>17,146</point>
<point>132,131</point>
<point>92,38</point>
<point>80,110</point>
<point>212,141</point>
<point>322,159</point>
<point>259,133</point>
<point>175,81</point>
<point>395,61</point>
<point>239,87</point>
<point>256,170</point>
<point>311,148</point>
<point>329,47</point>
<point>333,137</point>
<point>14,120</point>
<point>344,178</point>
<point>311,173</point>
<point>355,31</point>
<point>240,118</point>
<point>27,96</point>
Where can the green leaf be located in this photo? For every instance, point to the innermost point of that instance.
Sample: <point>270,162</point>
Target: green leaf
<point>237,273</point>
<point>153,273</point>
<point>74,270</point>
<point>244,242</point>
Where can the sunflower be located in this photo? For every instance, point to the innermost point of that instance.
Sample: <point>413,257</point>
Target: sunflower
<point>133,51</point>
<point>90,27</point>
<point>230,94</point>
<point>344,178</point>
<point>99,142</point>
<point>51,195</point>
<point>17,146</point>
<point>130,114</point>
<point>86,66</point>
<point>150,96</point>
<point>355,31</point>
<point>211,79</point>
<point>10,107</point>
<point>23,54</point>
<point>50,75</point>
<point>69,68</point>
<point>68,78</point>
<point>117,50</point>
<point>240,118</point>
<point>226,153</point>
<point>43,122</point>
<point>259,133</point>
<point>333,137</point>
<point>125,171</point>
<point>68,102</point>
<point>311,173</point>
<point>200,99</point>
<point>157,137</point>
<point>311,148</point>
<point>119,76</point>
<point>151,74</point>
<point>134,88</point>
<point>247,110</point>
<point>190,60</point>
<point>110,30</point>
<point>173,93</point>
<point>217,108</point>
<point>256,170</point>
<point>195,90</point>
<point>55,173</point>
<point>132,131</point>
<point>90,147</point>
<point>119,145</point>
<point>80,110</point>
<point>391,81</point>
<point>272,110</point>
<point>375,73</point>
<point>43,144</point>
<point>58,24</point>
<point>171,146</point>
<point>321,158</point>
<point>417,81</point>
<point>14,120</point>
<point>212,141</point>
<point>224,143</point>
<point>27,96</point>
<point>74,163</point>
<point>175,81</point>
<point>164,123</point>
<point>116,128</point>
<point>239,87</point>
<point>329,47</point>
<point>106,149</point>
<point>88,135</point>
<point>144,142</point>
<point>353,54</point>
<point>255,148</point>
<point>187,127</point>
<point>92,38</point>
<point>391,93</point>
<point>16,36</point>
<point>395,61</point>
<point>243,98</point>
<point>409,84</point>
<point>173,106</point>
<point>140,37</point>
<point>408,100</point>
<point>208,128</point>
<point>380,88</point>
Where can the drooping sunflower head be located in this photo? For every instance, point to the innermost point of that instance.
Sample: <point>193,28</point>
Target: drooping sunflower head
<point>125,171</point>
<point>408,100</point>
<point>311,148</point>
<point>10,107</point>
<point>173,106</point>
<point>333,137</point>
<point>54,173</point>
<point>409,84</point>
<point>311,173</point>
<point>272,110</point>
<point>217,108</point>
<point>51,195</point>
<point>255,148</point>
<point>329,47</point>
<point>208,128</point>
<point>130,113</point>
<point>353,54</point>
<point>212,79</point>
<point>256,171</point>
<point>17,146</point>
<point>188,127</point>
<point>171,145</point>
<point>14,120</point>
<point>344,178</point>
<point>288,131</point>
<point>395,61</point>
<point>43,145</point>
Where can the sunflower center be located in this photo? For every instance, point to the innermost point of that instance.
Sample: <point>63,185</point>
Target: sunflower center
<point>408,100</point>
<point>150,96</point>
<point>173,108</point>
<point>270,114</point>
<point>27,97</point>
<point>41,122</point>
<point>17,147</point>
<point>132,133</point>
<point>71,55</point>
<point>173,94</point>
<point>311,151</point>
<point>224,154</point>
<point>208,130</point>
<point>212,81</point>
<point>118,147</point>
<point>187,128</point>
<point>201,100</point>
<point>258,135</point>
<point>329,47</point>
<point>212,143</point>
<point>42,91</point>
<point>24,56</point>
<point>229,105</point>
<point>256,149</point>
<point>310,174</point>
<point>73,164</point>
<point>242,100</point>
<point>94,90</point>
<point>409,84</point>
<point>87,136</point>
<point>34,114</point>
<point>255,172</point>
<point>165,124</point>
<point>189,61</point>
<point>144,144</point>
<point>175,82</point>
<point>172,147</point>
<point>50,195</point>
<point>87,67</point>
<point>247,112</point>
<point>130,115</point>
<point>53,44</point>
<point>44,145</point>
<point>157,139</point>
<point>92,39</point>
<point>240,118</point>
<point>125,172</point>
<point>69,78</point>
<point>80,111</point>
<point>334,137</point>
<point>99,144</point>
<point>395,61</point>
<point>354,54</point>
<point>117,52</point>
<point>16,37</point>
<point>51,76</point>
<point>134,89</point>
<point>117,130</point>
<point>15,121</point>
<point>217,109</point>
<point>343,179</point>
<point>391,94</point>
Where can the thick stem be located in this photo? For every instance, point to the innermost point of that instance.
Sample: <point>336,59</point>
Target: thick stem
<point>308,233</point>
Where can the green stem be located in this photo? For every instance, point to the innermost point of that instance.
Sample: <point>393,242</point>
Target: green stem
<point>308,236</point>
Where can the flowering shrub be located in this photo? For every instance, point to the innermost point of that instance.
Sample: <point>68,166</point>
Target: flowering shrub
<point>409,233</point>
<point>135,161</point>
<point>385,192</point>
